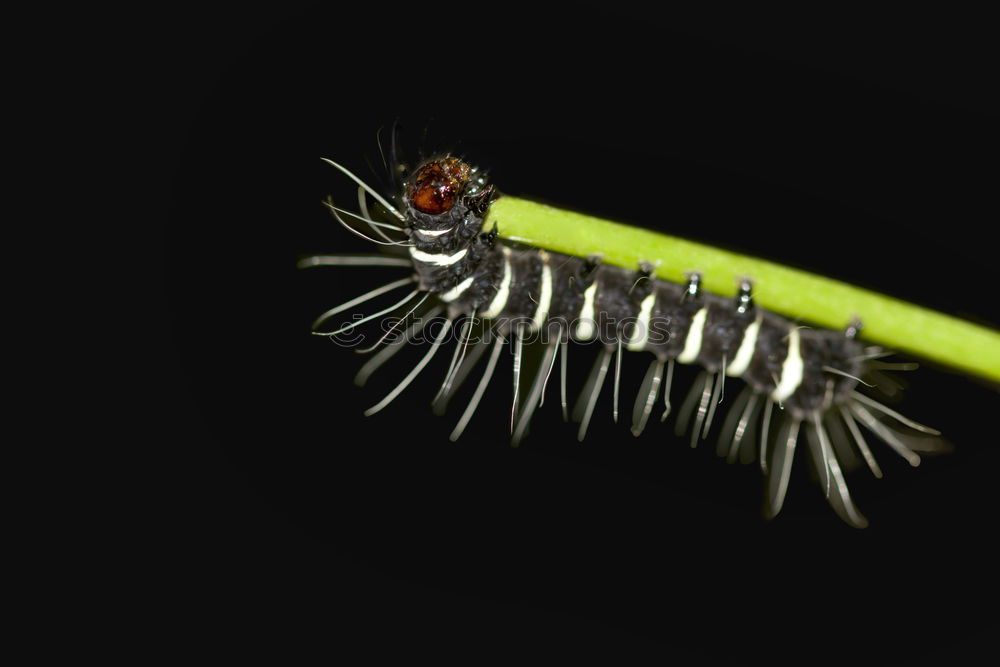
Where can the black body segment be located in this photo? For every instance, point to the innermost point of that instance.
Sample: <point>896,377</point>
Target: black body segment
<point>529,288</point>
<point>800,381</point>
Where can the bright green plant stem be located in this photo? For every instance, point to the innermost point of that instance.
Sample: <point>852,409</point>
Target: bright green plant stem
<point>821,301</point>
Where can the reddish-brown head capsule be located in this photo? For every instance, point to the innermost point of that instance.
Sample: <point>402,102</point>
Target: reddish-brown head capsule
<point>437,185</point>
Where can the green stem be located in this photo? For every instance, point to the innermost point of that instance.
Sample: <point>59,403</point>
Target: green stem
<point>821,301</point>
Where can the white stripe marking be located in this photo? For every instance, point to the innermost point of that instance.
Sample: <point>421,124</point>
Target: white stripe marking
<point>500,299</point>
<point>638,341</point>
<point>692,343</point>
<point>431,234</point>
<point>791,370</point>
<point>437,260</point>
<point>586,326</point>
<point>743,355</point>
<point>545,299</point>
<point>457,290</point>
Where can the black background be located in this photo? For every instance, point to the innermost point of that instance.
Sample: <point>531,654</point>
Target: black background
<point>852,147</point>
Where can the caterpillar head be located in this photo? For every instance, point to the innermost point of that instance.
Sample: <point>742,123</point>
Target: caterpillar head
<point>443,192</point>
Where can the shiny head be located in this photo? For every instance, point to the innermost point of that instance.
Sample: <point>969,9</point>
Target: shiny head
<point>436,186</point>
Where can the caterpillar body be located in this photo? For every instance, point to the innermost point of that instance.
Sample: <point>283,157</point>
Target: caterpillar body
<point>799,381</point>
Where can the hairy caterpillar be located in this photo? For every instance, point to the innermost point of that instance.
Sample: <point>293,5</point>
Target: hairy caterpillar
<point>623,542</point>
<point>801,383</point>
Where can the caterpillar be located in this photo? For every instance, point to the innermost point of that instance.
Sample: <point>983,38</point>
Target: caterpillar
<point>799,383</point>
